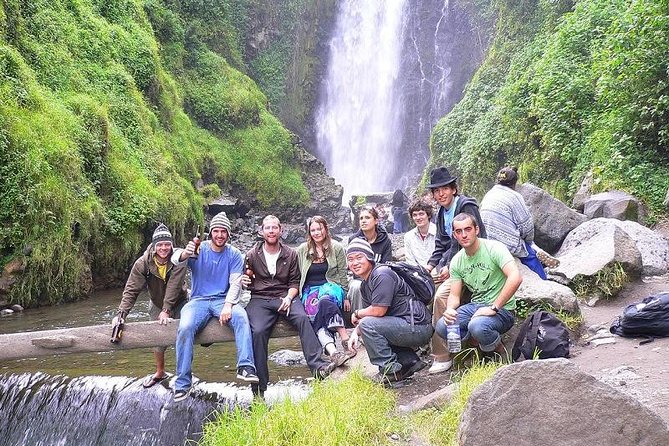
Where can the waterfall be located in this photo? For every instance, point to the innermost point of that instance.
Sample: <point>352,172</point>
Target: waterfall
<point>358,121</point>
<point>389,79</point>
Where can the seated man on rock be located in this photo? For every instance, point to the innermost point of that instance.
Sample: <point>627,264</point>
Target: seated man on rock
<point>489,271</point>
<point>419,242</point>
<point>508,220</point>
<point>216,269</point>
<point>273,276</point>
<point>391,322</point>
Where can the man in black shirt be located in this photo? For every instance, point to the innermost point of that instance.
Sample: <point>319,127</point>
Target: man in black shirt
<point>391,322</point>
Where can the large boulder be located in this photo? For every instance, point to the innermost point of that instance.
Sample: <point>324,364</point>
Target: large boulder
<point>535,290</point>
<point>553,220</point>
<point>551,401</point>
<point>654,248</point>
<point>614,204</point>
<point>584,192</point>
<point>666,200</point>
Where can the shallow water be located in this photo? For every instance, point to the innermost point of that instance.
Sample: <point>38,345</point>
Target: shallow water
<point>212,364</point>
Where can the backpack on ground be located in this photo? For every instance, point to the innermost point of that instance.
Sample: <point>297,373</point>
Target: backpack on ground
<point>542,336</point>
<point>418,279</point>
<point>648,318</point>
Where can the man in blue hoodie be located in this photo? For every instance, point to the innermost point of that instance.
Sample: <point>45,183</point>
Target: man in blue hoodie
<point>444,189</point>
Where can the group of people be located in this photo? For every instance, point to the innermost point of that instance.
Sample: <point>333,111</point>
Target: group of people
<point>312,288</point>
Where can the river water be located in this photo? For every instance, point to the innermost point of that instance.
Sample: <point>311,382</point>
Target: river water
<point>212,364</point>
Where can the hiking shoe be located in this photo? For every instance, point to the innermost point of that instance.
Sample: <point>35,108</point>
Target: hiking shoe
<point>325,371</point>
<point>180,395</point>
<point>248,374</point>
<point>340,358</point>
<point>548,260</point>
<point>387,379</point>
<point>412,368</point>
<point>440,366</point>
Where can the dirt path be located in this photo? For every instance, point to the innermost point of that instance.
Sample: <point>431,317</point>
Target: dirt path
<point>641,371</point>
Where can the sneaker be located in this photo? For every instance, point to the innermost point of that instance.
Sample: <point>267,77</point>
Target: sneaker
<point>340,358</point>
<point>548,260</point>
<point>248,374</point>
<point>387,379</point>
<point>440,366</point>
<point>180,395</point>
<point>325,371</point>
<point>412,368</point>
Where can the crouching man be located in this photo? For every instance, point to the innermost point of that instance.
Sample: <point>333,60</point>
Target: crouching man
<point>391,322</point>
<point>487,268</point>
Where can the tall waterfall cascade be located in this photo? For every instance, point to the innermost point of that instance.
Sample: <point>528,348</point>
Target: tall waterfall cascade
<point>388,81</point>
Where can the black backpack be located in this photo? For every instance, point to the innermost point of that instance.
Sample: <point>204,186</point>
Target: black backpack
<point>418,279</point>
<point>543,335</point>
<point>648,318</point>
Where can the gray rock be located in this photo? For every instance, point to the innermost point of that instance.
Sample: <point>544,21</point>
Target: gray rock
<point>547,402</point>
<point>534,290</point>
<point>587,251</point>
<point>17,308</point>
<point>666,200</point>
<point>653,247</point>
<point>6,312</point>
<point>553,220</point>
<point>288,357</point>
<point>583,193</point>
<point>613,204</point>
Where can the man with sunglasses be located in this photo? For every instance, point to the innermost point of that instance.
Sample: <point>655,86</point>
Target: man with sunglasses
<point>487,269</point>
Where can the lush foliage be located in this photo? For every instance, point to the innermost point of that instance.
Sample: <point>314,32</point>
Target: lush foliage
<point>567,87</point>
<point>338,412</point>
<point>110,113</point>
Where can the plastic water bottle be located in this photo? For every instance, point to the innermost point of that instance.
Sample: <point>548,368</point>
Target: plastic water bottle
<point>453,338</point>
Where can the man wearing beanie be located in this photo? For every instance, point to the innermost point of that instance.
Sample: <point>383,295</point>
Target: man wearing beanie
<point>216,270</point>
<point>274,282</point>
<point>165,282</point>
<point>391,322</point>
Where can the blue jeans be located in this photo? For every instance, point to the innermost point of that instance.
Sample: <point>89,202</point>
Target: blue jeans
<point>194,317</point>
<point>380,334</point>
<point>487,330</point>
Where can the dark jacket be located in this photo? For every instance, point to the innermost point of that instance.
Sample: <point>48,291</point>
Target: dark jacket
<point>165,294</point>
<point>446,247</point>
<point>287,272</point>
<point>382,247</point>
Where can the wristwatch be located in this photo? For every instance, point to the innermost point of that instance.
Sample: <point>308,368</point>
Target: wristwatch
<point>494,308</point>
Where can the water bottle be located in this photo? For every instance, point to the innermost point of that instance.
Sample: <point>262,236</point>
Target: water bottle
<point>453,338</point>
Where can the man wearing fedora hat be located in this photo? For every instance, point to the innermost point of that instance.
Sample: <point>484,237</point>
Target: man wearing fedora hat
<point>444,190</point>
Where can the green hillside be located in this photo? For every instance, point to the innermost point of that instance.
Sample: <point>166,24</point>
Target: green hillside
<point>567,86</point>
<point>110,113</point>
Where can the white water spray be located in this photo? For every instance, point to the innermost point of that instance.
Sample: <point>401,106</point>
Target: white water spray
<point>359,119</point>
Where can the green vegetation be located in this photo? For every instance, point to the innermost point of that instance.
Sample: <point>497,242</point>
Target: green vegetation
<point>607,282</point>
<point>440,427</point>
<point>573,321</point>
<point>110,113</point>
<point>338,412</point>
<point>567,86</point>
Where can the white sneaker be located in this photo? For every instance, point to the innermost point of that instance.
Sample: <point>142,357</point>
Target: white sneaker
<point>440,366</point>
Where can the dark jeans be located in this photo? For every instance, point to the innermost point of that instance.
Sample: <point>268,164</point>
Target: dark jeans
<point>263,314</point>
<point>382,334</point>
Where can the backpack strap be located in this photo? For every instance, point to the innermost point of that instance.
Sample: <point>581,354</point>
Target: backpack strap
<point>526,333</point>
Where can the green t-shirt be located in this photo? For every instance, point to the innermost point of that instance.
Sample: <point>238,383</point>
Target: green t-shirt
<point>482,273</point>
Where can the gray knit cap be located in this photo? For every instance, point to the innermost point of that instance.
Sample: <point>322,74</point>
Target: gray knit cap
<point>162,234</point>
<point>361,245</point>
<point>220,220</point>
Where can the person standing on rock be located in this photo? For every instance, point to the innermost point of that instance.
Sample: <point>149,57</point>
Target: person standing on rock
<point>419,242</point>
<point>508,220</point>
<point>391,322</point>
<point>273,277</point>
<point>216,269</point>
<point>445,191</point>
<point>165,282</point>
<point>373,232</point>
<point>488,270</point>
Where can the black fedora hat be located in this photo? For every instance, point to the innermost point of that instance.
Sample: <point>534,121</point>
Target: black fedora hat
<point>440,177</point>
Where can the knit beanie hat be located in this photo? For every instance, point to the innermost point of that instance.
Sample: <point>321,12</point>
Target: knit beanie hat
<point>220,220</point>
<point>361,245</point>
<point>162,234</point>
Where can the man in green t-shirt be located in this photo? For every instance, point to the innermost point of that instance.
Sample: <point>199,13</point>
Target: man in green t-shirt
<point>487,269</point>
